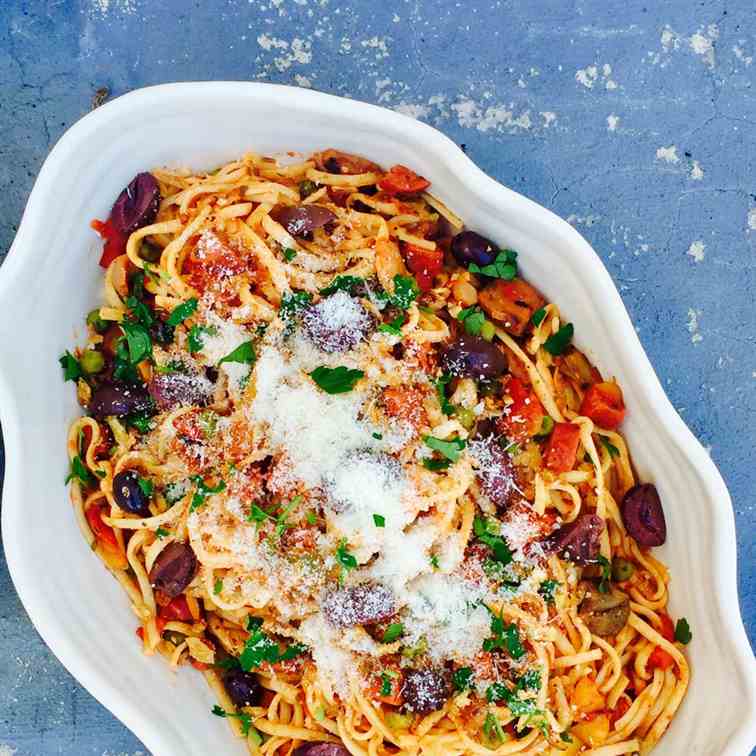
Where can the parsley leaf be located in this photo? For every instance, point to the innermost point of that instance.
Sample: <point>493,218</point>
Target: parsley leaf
<point>487,532</point>
<point>138,341</point>
<point>162,533</point>
<point>344,558</point>
<point>217,587</point>
<point>610,447</point>
<point>557,342</point>
<point>405,293</point>
<point>472,319</point>
<point>462,678</point>
<point>531,680</point>
<point>547,589</point>
<point>441,383</point>
<point>260,648</point>
<point>140,312</point>
<point>538,316</point>
<point>342,283</point>
<point>146,485</point>
<point>181,312</point>
<point>338,380</point>
<point>434,561</point>
<point>141,421</point>
<point>394,327</point>
<point>504,266</point>
<point>449,449</point>
<point>197,335</point>
<point>436,465</point>
<point>505,637</point>
<point>79,472</point>
<point>245,719</point>
<point>258,515</point>
<point>682,631</point>
<point>379,520</point>
<point>289,254</point>
<point>311,518</point>
<point>606,573</point>
<point>292,304</point>
<point>393,631</point>
<point>281,522</point>
<point>71,368</point>
<point>244,353</point>
<point>203,491</point>
<point>386,684</point>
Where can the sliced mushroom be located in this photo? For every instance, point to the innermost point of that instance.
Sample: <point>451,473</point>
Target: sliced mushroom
<point>604,614</point>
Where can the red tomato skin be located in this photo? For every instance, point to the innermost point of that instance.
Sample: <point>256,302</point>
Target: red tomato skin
<point>667,630</point>
<point>402,180</point>
<point>115,242</point>
<point>660,659</point>
<point>100,530</point>
<point>603,403</point>
<point>176,609</point>
<point>561,448</point>
<point>425,264</point>
<point>525,412</point>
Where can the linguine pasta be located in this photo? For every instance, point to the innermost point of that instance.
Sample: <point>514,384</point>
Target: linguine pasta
<point>346,462</point>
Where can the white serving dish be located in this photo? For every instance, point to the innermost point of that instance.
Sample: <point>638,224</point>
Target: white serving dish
<point>51,279</point>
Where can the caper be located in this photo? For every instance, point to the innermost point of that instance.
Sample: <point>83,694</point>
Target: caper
<point>487,330</point>
<point>466,417</point>
<point>306,188</point>
<point>94,320</point>
<point>92,361</point>
<point>622,569</point>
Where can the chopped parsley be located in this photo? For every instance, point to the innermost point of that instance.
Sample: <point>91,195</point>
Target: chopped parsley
<point>258,515</point>
<point>436,465</point>
<point>203,491</point>
<point>547,589</point>
<point>377,436</point>
<point>244,353</point>
<point>338,380</point>
<point>682,632</point>
<point>162,533</point>
<point>218,587</point>
<point>208,422</point>
<point>79,472</point>
<point>140,312</point>
<point>606,573</point>
<point>345,559</point>
<point>147,486</point>
<point>394,631</point>
<point>405,293</point>
<point>558,342</point>
<point>472,319</point>
<point>311,518</point>
<point>519,707</point>
<point>244,719</point>
<point>260,648</point>
<point>379,520</point>
<point>531,680</point>
<point>538,316</point>
<point>197,335</point>
<point>610,447</point>
<point>441,383</point>
<point>492,729</point>
<point>281,521</point>
<point>289,254</point>
<point>449,449</point>
<point>487,532</point>
<point>394,328</point>
<point>387,684</point>
<point>505,637</point>
<point>433,559</point>
<point>181,312</point>
<point>345,283</point>
<point>138,342</point>
<point>504,266</point>
<point>141,421</point>
<point>462,678</point>
<point>71,368</point>
<point>292,304</point>
<point>565,737</point>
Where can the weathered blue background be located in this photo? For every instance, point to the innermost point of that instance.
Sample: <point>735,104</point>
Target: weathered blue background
<point>577,104</point>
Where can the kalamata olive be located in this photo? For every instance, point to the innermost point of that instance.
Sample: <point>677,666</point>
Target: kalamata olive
<point>361,604</point>
<point>173,389</point>
<point>469,247</point>
<point>321,749</point>
<point>174,569</point>
<point>425,690</point>
<point>337,323</point>
<point>304,219</point>
<point>243,688</point>
<point>161,332</point>
<point>604,613</point>
<point>118,399</point>
<point>578,541</point>
<point>137,204</point>
<point>622,569</point>
<point>473,357</point>
<point>495,471</point>
<point>643,516</point>
<point>129,495</point>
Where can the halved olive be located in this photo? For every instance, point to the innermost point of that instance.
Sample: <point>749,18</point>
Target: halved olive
<point>604,613</point>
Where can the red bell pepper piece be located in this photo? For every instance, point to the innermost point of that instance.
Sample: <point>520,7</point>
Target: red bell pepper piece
<point>425,264</point>
<point>604,404</point>
<point>525,412</point>
<point>402,180</point>
<point>102,532</point>
<point>561,448</point>
<point>115,241</point>
<point>176,609</point>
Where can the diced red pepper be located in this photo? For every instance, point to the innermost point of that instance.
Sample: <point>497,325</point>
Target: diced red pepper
<point>425,264</point>
<point>660,659</point>
<point>667,629</point>
<point>561,448</point>
<point>525,412</point>
<point>176,609</point>
<point>102,532</point>
<point>160,623</point>
<point>402,180</point>
<point>619,710</point>
<point>115,241</point>
<point>604,404</point>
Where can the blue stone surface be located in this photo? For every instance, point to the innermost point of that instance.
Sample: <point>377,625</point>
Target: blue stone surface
<point>636,121</point>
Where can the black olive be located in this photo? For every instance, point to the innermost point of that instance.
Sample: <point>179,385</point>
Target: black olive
<point>578,541</point>
<point>320,749</point>
<point>469,247</point>
<point>473,357</point>
<point>162,332</point>
<point>129,494</point>
<point>425,690</point>
<point>172,389</point>
<point>359,605</point>
<point>643,516</point>
<point>174,568</point>
<point>119,399</point>
<point>337,323</point>
<point>137,205</point>
<point>242,687</point>
<point>303,219</point>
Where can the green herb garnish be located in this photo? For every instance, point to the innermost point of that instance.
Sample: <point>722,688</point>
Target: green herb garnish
<point>342,283</point>
<point>146,485</point>
<point>79,472</point>
<point>379,520</point>
<point>71,368</point>
<point>441,383</point>
<point>197,335</point>
<point>504,636</point>
<point>345,559</point>
<point>244,719</point>
<point>606,573</point>
<point>260,648</point>
<point>610,447</point>
<point>162,533</point>
<point>504,266</point>
<point>181,312</point>
<point>394,328</point>
<point>394,631</point>
<point>462,678</point>
<point>338,380</point>
<point>436,465</point>
<point>217,587</point>
<point>547,589</point>
<point>557,342</point>
<point>472,319</point>
<point>244,353</point>
<point>289,254</point>
<point>203,491</point>
<point>488,532</point>
<point>138,341</point>
<point>449,449</point>
<point>538,316</point>
<point>682,632</point>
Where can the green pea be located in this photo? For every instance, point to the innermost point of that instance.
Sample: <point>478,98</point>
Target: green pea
<point>150,252</point>
<point>306,188</point>
<point>94,320</point>
<point>466,417</point>
<point>547,425</point>
<point>487,330</point>
<point>92,361</point>
<point>622,569</point>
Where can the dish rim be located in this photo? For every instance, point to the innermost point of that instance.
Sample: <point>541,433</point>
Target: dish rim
<point>475,180</point>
